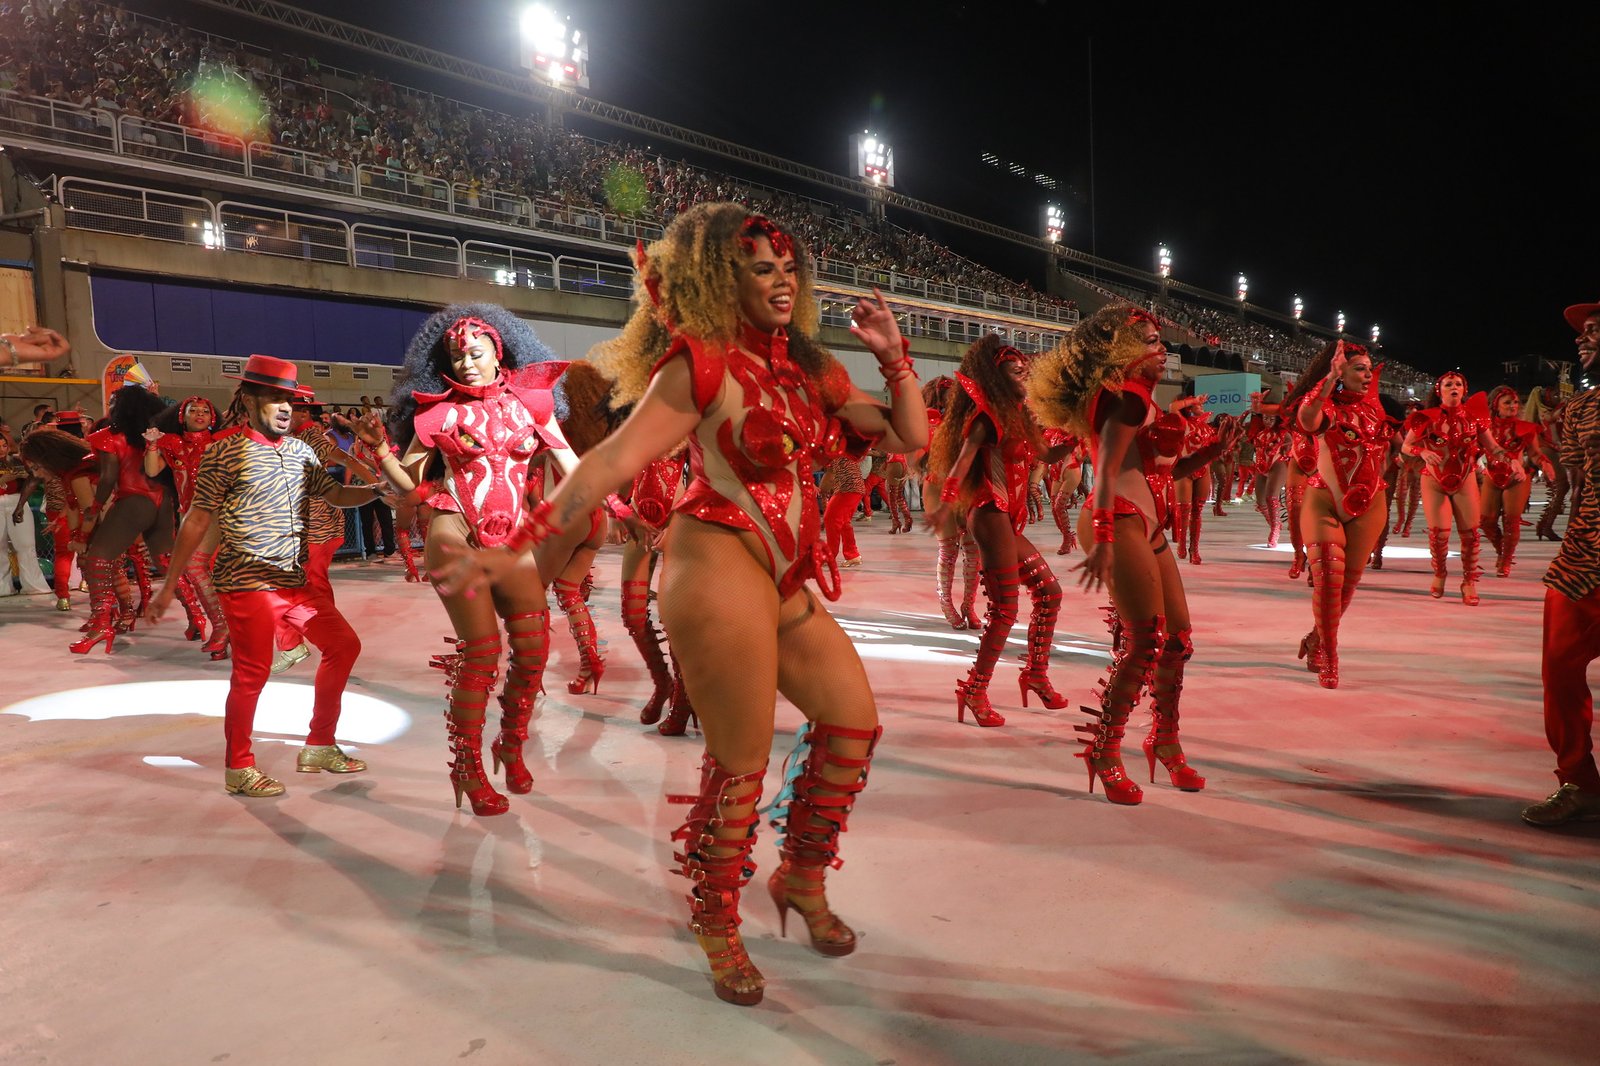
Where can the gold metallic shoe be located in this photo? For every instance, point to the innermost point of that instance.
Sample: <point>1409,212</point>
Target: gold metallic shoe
<point>1566,804</point>
<point>250,782</point>
<point>283,660</point>
<point>63,604</point>
<point>314,760</point>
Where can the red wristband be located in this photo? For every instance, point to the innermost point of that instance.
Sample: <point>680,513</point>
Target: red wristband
<point>950,491</point>
<point>1104,522</point>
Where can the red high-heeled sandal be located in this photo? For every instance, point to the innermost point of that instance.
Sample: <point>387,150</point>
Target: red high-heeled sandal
<point>973,695</point>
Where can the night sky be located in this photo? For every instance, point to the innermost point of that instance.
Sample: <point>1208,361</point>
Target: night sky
<point>1430,176</point>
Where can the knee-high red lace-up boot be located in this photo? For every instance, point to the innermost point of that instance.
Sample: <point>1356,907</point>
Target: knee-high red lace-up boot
<point>470,672</point>
<point>1166,686</point>
<point>1102,735</point>
<point>1327,606</point>
<point>102,624</point>
<point>570,598</point>
<point>1439,552</point>
<point>1507,547</point>
<point>822,778</point>
<point>1035,575</point>
<point>1000,585</point>
<point>680,712</point>
<point>969,569</point>
<point>636,620</point>
<point>949,553</point>
<point>1471,543</point>
<point>716,841</point>
<point>528,635</point>
<point>1197,512</point>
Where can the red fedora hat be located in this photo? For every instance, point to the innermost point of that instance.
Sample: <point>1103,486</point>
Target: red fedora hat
<point>1577,313</point>
<point>273,373</point>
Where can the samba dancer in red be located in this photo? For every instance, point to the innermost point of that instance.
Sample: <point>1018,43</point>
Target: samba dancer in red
<point>180,438</point>
<point>956,545</point>
<point>1099,383</point>
<point>1506,490</point>
<point>722,335</point>
<point>1194,490</point>
<point>1269,436</point>
<point>1448,436</point>
<point>1065,477</point>
<point>474,407</point>
<point>985,450</point>
<point>1337,403</point>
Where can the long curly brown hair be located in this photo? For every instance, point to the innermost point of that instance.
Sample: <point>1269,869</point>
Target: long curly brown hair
<point>1317,369</point>
<point>979,365</point>
<point>1098,353</point>
<point>52,450</point>
<point>688,282</point>
<point>589,419</point>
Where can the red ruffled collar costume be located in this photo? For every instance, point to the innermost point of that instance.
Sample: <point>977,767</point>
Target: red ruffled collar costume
<point>1000,472</point>
<point>1453,433</point>
<point>1355,442</point>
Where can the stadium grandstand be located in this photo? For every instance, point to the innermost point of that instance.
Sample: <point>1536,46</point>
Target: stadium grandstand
<point>189,198</point>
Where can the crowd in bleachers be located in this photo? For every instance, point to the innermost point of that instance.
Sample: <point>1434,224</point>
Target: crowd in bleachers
<point>94,55</point>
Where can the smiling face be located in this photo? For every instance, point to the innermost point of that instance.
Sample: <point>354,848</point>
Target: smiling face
<point>1589,341</point>
<point>196,417</point>
<point>1154,360</point>
<point>767,285</point>
<point>1357,376</point>
<point>1452,390</point>
<point>474,362</point>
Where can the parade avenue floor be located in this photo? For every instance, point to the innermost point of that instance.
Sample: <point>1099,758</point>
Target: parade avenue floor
<point>1353,885</point>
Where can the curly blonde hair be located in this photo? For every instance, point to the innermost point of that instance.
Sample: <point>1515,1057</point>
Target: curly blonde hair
<point>979,366</point>
<point>688,283</point>
<point>1098,353</point>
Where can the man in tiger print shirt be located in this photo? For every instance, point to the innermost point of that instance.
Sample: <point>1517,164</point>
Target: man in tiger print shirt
<point>1572,604</point>
<point>258,485</point>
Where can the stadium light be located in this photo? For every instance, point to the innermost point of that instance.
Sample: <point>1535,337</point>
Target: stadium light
<point>874,159</point>
<point>1244,288</point>
<point>552,49</point>
<point>1338,323</point>
<point>1055,223</point>
<point>1375,332</point>
<point>1164,261</point>
<point>1299,308</point>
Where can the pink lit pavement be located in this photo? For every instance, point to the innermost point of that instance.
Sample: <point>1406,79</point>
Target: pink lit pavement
<point>1353,885</point>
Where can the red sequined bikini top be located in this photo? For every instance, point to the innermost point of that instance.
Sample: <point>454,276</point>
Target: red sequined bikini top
<point>766,426</point>
<point>1453,433</point>
<point>487,434</point>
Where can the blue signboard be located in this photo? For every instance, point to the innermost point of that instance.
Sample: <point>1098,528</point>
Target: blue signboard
<point>1229,394</point>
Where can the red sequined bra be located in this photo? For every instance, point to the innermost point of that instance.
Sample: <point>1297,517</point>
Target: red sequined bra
<point>487,434</point>
<point>765,429</point>
<point>1452,432</point>
<point>1516,437</point>
<point>1354,448</point>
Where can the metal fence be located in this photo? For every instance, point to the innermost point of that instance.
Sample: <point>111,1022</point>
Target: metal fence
<point>271,231</point>
<point>126,209</point>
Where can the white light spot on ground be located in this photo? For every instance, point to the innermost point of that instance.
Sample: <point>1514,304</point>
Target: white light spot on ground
<point>1390,551</point>
<point>171,762</point>
<point>284,708</point>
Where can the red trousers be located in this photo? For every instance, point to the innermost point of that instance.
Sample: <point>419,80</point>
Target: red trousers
<point>836,524</point>
<point>319,559</point>
<point>253,619</point>
<point>63,562</point>
<point>875,483</point>
<point>1571,643</point>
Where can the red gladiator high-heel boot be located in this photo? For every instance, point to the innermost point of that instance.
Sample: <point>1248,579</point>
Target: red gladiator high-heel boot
<point>190,598</point>
<point>102,605</point>
<point>716,842</point>
<point>636,620</point>
<point>1102,737</point>
<point>1180,530</point>
<point>1508,548</point>
<point>680,712</point>
<point>470,673</point>
<point>1166,685</point>
<point>1470,571</point>
<point>1196,516</point>
<point>127,618</point>
<point>969,570</point>
<point>949,553</point>
<point>528,634</point>
<point>1000,585</point>
<point>1439,552</point>
<point>1045,592</point>
<point>570,598</point>
<point>199,574</point>
<point>139,556</point>
<point>1327,604</point>
<point>823,776</point>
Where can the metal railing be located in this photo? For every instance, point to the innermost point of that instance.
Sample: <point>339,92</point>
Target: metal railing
<point>55,120</point>
<point>106,207</point>
<point>257,230</point>
<point>172,143</point>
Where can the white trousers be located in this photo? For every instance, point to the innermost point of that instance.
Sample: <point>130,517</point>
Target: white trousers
<point>18,537</point>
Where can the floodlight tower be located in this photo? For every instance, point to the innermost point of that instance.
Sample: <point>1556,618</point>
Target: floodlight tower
<point>1338,323</point>
<point>1055,223</point>
<point>1376,332</point>
<point>553,50</point>
<point>1163,266</point>
<point>1298,310</point>
<point>1241,291</point>
<point>872,160</point>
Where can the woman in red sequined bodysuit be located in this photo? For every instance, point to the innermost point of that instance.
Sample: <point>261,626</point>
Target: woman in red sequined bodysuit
<point>1507,483</point>
<point>1064,478</point>
<point>720,350</point>
<point>985,449</point>
<point>1193,491</point>
<point>1099,384</point>
<point>956,545</point>
<point>181,437</point>
<point>475,406</point>
<point>1448,435</point>
<point>1344,510</point>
